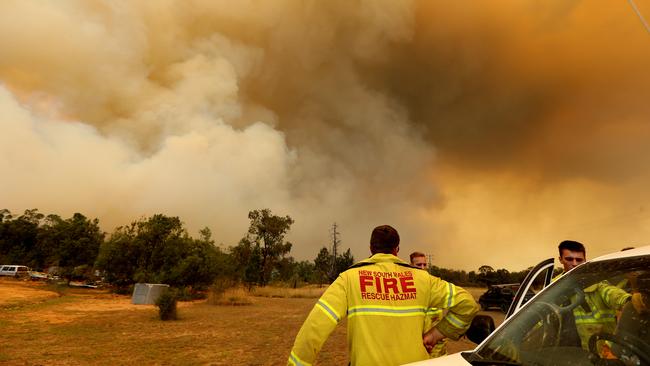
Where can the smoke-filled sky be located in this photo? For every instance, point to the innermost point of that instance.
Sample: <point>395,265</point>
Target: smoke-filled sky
<point>484,131</point>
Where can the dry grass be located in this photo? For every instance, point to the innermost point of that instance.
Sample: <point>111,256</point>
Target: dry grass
<point>93,327</point>
<point>236,296</point>
<point>241,296</point>
<point>307,292</point>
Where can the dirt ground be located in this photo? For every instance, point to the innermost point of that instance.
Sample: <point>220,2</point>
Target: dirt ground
<point>41,326</point>
<point>15,291</point>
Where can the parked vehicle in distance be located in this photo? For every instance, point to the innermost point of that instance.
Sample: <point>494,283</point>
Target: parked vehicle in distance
<point>501,296</point>
<point>14,270</point>
<point>543,331</point>
<point>39,276</point>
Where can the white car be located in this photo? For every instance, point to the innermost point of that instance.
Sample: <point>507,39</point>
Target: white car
<point>14,270</point>
<point>542,331</point>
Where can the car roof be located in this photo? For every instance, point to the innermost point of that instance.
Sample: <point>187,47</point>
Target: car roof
<point>640,251</point>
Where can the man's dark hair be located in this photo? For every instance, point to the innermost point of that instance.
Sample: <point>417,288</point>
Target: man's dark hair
<point>415,255</point>
<point>384,239</point>
<point>573,246</point>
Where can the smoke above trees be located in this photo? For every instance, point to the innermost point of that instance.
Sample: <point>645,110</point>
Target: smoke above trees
<point>464,125</point>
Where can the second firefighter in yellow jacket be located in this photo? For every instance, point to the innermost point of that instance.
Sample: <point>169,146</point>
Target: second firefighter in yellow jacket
<point>602,301</point>
<point>387,303</point>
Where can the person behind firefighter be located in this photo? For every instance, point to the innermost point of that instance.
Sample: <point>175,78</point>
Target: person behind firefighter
<point>419,260</point>
<point>597,313</point>
<point>386,302</point>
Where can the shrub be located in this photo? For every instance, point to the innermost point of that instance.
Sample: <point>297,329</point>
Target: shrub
<point>124,290</point>
<point>166,303</point>
<point>221,284</point>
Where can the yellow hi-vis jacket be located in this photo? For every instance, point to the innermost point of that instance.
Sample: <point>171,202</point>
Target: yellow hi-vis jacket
<point>387,303</point>
<point>598,313</point>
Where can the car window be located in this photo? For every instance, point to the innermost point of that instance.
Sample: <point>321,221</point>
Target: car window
<point>582,317</point>
<point>530,292</point>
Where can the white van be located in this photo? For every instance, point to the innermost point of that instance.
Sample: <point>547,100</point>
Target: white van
<point>14,270</point>
<point>540,333</point>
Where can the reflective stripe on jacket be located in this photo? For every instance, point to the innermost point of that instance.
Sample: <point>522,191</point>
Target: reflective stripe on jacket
<point>387,303</point>
<point>431,320</point>
<point>598,313</point>
<point>602,300</point>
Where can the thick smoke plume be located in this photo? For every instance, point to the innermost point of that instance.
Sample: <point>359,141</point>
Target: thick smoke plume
<point>484,132</point>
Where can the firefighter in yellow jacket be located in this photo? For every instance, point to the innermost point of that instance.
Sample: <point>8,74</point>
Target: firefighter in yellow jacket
<point>597,312</point>
<point>419,259</point>
<point>387,303</point>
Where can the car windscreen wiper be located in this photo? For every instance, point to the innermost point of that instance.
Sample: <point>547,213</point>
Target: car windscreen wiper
<point>475,359</point>
<point>494,362</point>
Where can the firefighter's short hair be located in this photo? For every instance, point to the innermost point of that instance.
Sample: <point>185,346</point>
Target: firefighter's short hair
<point>573,246</point>
<point>384,239</point>
<point>416,254</point>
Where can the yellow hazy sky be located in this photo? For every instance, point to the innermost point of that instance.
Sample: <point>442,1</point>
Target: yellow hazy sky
<point>484,131</point>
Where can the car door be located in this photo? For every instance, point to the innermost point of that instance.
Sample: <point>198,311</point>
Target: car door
<point>540,275</point>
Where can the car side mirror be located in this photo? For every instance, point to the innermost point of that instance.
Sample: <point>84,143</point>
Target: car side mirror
<point>482,326</point>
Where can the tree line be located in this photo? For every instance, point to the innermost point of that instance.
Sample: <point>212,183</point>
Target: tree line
<point>485,276</point>
<point>158,249</point>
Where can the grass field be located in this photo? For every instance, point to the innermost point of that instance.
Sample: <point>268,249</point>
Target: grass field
<point>41,326</point>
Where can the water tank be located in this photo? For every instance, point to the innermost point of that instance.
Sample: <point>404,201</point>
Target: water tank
<point>147,293</point>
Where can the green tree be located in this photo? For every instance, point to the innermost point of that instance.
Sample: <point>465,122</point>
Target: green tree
<point>343,262</point>
<point>471,277</point>
<point>71,243</point>
<point>322,265</point>
<point>241,257</point>
<point>502,275</point>
<point>119,256</point>
<point>252,274</point>
<point>200,263</point>
<point>486,275</point>
<point>485,269</point>
<point>266,233</point>
<point>41,241</point>
<point>159,250</point>
<point>49,236</point>
<point>306,271</point>
<point>19,238</point>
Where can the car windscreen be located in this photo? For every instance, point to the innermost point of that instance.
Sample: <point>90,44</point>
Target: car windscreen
<point>586,315</point>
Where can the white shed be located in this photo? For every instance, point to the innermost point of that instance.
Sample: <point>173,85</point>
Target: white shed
<point>147,293</point>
